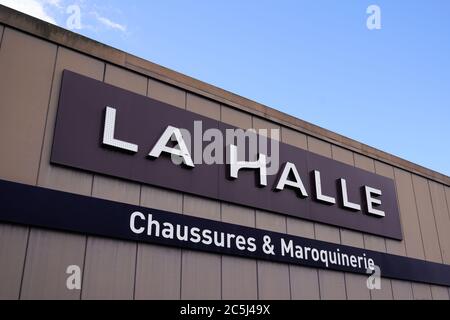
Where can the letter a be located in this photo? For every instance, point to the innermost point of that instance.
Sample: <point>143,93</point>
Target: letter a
<point>161,146</point>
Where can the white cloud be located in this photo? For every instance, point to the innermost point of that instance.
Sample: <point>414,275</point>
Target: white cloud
<point>110,24</point>
<point>33,8</point>
<point>55,3</point>
<point>44,10</point>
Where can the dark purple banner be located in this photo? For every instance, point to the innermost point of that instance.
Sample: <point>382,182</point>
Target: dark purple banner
<point>108,130</point>
<point>44,208</point>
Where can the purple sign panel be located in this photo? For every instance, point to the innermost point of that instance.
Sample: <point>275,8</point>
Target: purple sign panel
<point>112,131</point>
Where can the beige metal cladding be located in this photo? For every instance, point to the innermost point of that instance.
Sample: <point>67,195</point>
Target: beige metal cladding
<point>33,261</point>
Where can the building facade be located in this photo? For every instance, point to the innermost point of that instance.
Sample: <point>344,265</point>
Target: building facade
<point>34,260</point>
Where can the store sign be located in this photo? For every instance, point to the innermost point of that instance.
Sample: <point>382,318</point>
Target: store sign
<point>44,208</point>
<point>108,130</point>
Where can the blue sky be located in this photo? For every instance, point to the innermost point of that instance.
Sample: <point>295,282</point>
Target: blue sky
<point>316,59</point>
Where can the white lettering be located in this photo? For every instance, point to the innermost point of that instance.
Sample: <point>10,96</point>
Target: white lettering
<point>182,150</point>
<point>236,165</point>
<point>371,201</point>
<point>346,203</point>
<point>297,183</point>
<point>108,133</point>
<point>319,195</point>
<point>287,248</point>
<point>152,223</point>
<point>133,222</point>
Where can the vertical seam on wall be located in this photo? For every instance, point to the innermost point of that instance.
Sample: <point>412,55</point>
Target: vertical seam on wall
<point>84,266</point>
<point>363,235</point>
<point>137,247</point>
<point>289,266</point>
<point>181,252</point>
<point>1,37</point>
<point>418,217</point>
<point>221,256</point>
<point>363,238</point>
<point>434,219</point>
<point>384,239</point>
<point>221,219</point>
<point>87,237</point>
<point>182,212</point>
<point>314,224</point>
<point>431,290</point>
<point>404,240</point>
<point>314,232</point>
<point>257,268</point>
<point>40,156</point>
<point>92,185</point>
<point>398,202</point>
<point>93,175</point>
<point>220,208</point>
<point>385,246</point>
<point>448,212</point>
<point>398,206</point>
<point>392,289</point>
<point>446,201</point>
<point>140,203</point>
<point>46,115</point>
<point>86,242</point>
<point>257,261</point>
<point>340,235</point>
<point>290,286</point>
<point>318,284</point>
<point>420,229</point>
<point>281,140</point>
<point>24,262</point>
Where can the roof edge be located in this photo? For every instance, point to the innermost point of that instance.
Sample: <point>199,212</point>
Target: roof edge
<point>23,22</point>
